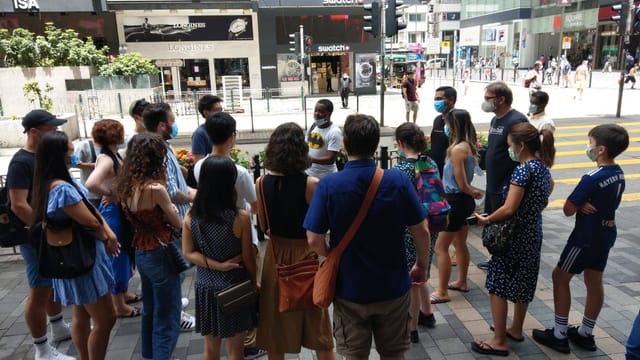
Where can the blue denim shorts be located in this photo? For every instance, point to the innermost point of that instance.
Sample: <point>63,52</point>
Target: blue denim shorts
<point>34,279</point>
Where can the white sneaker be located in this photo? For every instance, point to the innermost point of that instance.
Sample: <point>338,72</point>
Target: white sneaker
<point>187,322</point>
<point>185,303</point>
<point>52,354</point>
<point>62,334</point>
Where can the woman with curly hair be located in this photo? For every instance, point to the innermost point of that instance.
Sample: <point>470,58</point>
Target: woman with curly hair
<point>108,134</point>
<point>59,197</point>
<point>141,189</point>
<point>287,193</point>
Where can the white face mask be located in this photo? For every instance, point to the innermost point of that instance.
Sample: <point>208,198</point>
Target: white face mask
<point>488,106</point>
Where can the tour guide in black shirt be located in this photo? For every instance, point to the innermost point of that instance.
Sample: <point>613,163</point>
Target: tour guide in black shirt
<point>497,99</point>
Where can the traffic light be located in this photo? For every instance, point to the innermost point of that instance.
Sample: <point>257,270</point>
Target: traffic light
<point>374,19</point>
<point>620,16</point>
<point>636,20</point>
<point>392,15</point>
<point>294,41</point>
<point>308,41</point>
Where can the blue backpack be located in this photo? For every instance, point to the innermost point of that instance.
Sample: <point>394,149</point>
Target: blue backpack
<point>431,194</point>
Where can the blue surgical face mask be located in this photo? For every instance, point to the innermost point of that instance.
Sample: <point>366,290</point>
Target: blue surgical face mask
<point>440,106</point>
<point>174,130</point>
<point>73,160</point>
<point>446,130</point>
<point>512,155</point>
<point>533,108</point>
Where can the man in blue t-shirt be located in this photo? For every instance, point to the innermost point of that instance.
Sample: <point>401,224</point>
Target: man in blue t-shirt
<point>201,145</point>
<point>40,302</point>
<point>594,202</point>
<point>372,289</point>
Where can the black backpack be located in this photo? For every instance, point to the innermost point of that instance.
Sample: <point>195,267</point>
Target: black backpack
<point>12,230</point>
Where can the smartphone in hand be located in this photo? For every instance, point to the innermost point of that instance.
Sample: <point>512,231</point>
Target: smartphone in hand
<point>472,220</point>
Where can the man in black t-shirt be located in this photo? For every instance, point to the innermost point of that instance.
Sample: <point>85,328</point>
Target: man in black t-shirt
<point>410,96</point>
<point>444,101</point>
<point>20,182</point>
<point>498,99</point>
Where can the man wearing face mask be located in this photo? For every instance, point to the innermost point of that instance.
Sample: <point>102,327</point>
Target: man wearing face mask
<point>444,101</point>
<point>159,119</point>
<point>324,139</point>
<point>499,167</point>
<point>537,116</point>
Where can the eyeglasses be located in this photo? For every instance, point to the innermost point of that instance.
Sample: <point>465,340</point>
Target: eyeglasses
<point>490,97</point>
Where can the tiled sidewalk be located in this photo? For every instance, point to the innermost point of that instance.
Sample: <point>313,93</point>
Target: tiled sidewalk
<point>458,322</point>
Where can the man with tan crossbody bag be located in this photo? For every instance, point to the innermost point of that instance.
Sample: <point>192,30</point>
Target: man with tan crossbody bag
<point>372,282</point>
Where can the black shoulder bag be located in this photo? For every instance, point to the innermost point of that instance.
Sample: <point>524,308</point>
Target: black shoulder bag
<point>498,236</point>
<point>72,256</point>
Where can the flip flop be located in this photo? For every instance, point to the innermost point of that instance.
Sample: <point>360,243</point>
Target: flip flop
<point>437,300</point>
<point>450,286</point>
<point>136,298</point>
<point>134,313</point>
<point>509,335</point>
<point>484,348</point>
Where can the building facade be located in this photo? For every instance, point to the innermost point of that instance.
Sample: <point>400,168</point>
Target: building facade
<point>338,45</point>
<point>198,45</point>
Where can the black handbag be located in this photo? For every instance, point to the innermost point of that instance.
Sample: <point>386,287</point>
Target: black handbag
<point>174,258</point>
<point>66,259</point>
<point>237,296</point>
<point>498,236</point>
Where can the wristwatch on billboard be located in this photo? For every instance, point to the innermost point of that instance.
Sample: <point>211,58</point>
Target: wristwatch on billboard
<point>237,27</point>
<point>365,73</point>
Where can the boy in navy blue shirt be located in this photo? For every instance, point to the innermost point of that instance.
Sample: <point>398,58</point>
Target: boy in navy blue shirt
<point>594,202</point>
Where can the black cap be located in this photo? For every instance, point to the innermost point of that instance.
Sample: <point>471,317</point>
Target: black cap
<point>40,117</point>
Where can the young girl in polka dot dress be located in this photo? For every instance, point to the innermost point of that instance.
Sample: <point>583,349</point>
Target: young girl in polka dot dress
<point>216,236</point>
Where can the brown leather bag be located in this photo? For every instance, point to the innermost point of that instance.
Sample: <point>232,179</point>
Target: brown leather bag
<point>324,288</point>
<point>295,281</point>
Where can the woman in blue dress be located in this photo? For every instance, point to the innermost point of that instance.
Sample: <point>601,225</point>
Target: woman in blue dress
<point>60,197</point>
<point>216,237</point>
<point>513,276</point>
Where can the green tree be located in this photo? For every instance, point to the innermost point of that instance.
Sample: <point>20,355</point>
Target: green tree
<point>56,47</point>
<point>128,65</point>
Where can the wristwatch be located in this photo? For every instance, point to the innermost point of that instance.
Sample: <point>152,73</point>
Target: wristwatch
<point>237,27</point>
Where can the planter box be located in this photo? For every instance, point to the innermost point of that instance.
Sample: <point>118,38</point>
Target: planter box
<point>12,133</point>
<point>12,99</point>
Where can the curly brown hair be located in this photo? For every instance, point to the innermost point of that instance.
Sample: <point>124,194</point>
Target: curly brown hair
<point>107,132</point>
<point>287,152</point>
<point>144,163</point>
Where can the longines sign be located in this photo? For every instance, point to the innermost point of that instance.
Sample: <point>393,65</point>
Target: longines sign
<point>25,5</point>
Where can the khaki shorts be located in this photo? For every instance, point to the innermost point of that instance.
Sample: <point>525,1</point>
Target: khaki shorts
<point>388,321</point>
<point>411,106</point>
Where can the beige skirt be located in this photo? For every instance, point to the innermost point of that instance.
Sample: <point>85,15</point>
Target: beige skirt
<point>288,332</point>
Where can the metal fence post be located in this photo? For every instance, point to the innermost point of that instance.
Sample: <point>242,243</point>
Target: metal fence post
<point>267,94</point>
<point>120,105</point>
<point>384,157</point>
<point>1,109</point>
<point>251,112</point>
<point>233,104</point>
<point>357,102</point>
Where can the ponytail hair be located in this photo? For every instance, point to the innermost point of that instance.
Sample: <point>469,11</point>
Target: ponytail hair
<point>537,142</point>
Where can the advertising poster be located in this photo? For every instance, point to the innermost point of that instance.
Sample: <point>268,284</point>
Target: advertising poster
<point>365,71</point>
<point>187,28</point>
<point>289,68</point>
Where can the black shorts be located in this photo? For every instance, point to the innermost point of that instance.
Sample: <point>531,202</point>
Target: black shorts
<point>462,206</point>
<point>575,260</point>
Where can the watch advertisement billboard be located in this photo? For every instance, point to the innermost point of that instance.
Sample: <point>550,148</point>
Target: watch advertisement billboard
<point>365,73</point>
<point>187,28</point>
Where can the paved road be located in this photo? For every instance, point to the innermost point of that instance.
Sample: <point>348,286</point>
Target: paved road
<point>467,315</point>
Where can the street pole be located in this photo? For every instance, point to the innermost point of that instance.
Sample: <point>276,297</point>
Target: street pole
<point>624,39</point>
<point>455,57</point>
<point>382,39</point>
